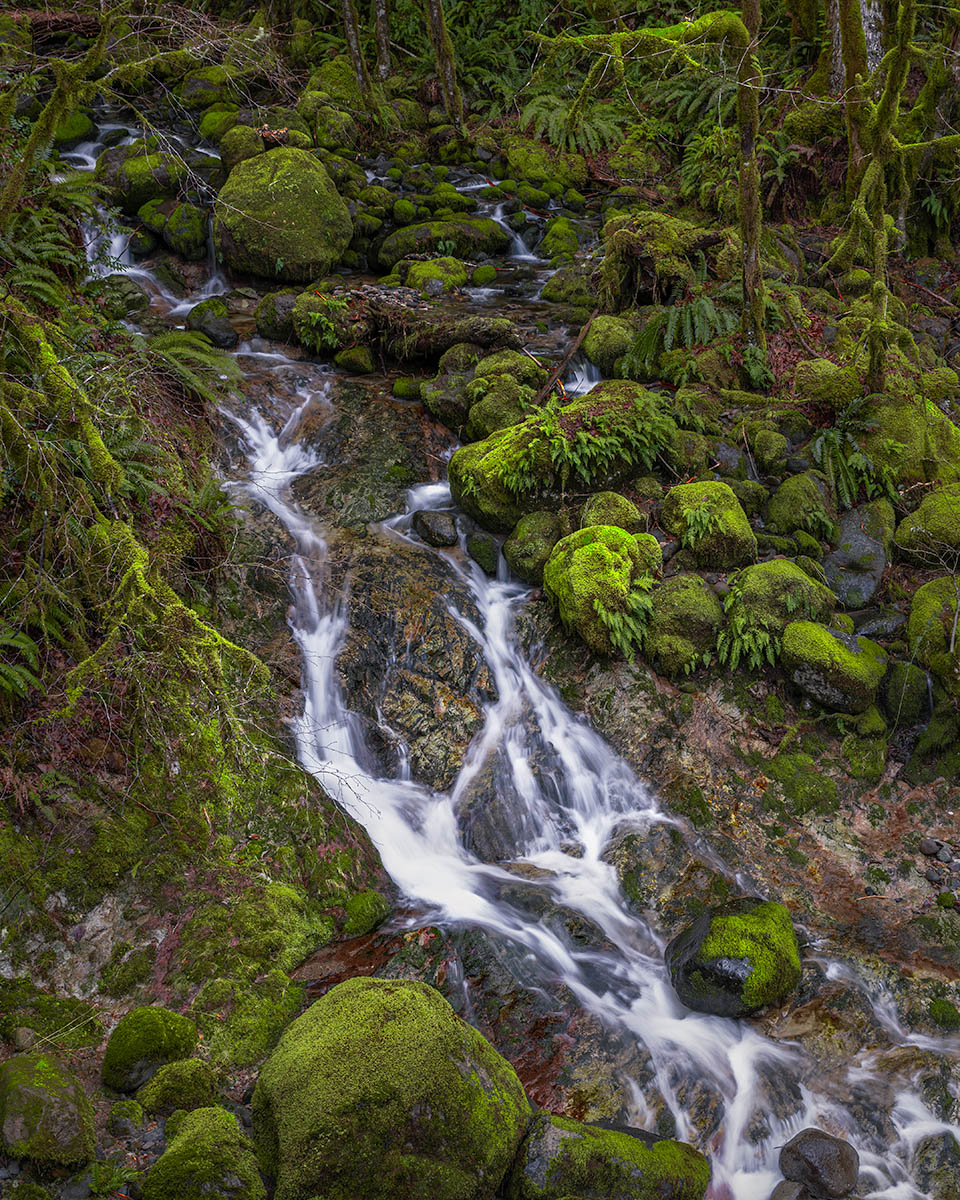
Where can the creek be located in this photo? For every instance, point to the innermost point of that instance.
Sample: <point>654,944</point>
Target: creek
<point>565,794</point>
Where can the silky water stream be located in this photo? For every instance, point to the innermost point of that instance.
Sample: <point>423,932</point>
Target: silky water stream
<point>567,788</point>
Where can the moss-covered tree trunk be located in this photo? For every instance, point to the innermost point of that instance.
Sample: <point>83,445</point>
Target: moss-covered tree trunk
<point>751,215</point>
<point>351,27</point>
<point>446,64</point>
<point>381,25</point>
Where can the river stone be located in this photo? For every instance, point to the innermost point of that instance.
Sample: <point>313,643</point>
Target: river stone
<point>207,1157</point>
<point>142,1042</point>
<point>279,216</point>
<point>561,1158</point>
<point>854,570</point>
<point>936,1166</point>
<point>839,671</point>
<point>735,960</point>
<point>381,1091</point>
<point>436,528</point>
<point>209,317</point>
<point>825,1165</point>
<point>45,1115</point>
<point>785,1190</point>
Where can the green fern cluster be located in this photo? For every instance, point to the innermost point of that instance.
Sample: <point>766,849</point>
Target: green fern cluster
<point>749,639</point>
<point>694,322</point>
<point>627,629</point>
<point>701,521</point>
<point>585,129</point>
<point>204,373</point>
<point>849,469</point>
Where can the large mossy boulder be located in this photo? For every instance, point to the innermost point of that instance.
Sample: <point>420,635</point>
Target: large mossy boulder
<point>463,237</point>
<point>561,1159</point>
<point>279,216</point>
<point>913,440</point>
<point>840,671</point>
<point>709,521</point>
<point>595,440</point>
<point>684,622</point>
<point>530,545</point>
<point>854,570</point>
<point>802,502</point>
<point>381,1092</point>
<point>931,629</point>
<point>607,341</point>
<point>142,1042</point>
<point>599,578</point>
<point>931,534</point>
<point>207,1158</point>
<point>133,174</point>
<point>768,596</point>
<point>540,164</point>
<point>735,960</point>
<point>45,1115</point>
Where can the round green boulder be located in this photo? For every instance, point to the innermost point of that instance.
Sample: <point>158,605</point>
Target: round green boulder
<point>709,521</point>
<point>207,1158</point>
<point>279,216</point>
<point>142,1042</point>
<point>610,508</point>
<point>45,1115</point>
<point>528,547</point>
<point>381,1092</point>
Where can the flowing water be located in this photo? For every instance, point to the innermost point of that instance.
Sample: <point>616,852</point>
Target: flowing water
<point>569,794</point>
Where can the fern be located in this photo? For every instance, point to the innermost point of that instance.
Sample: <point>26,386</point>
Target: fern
<point>846,465</point>
<point>584,129</point>
<point>627,629</point>
<point>204,373</point>
<point>694,322</point>
<point>16,678</point>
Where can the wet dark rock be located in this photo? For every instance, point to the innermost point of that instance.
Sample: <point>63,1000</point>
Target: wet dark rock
<point>936,1166</point>
<point>855,568</point>
<point>209,317</point>
<point>484,549</point>
<point>881,622</point>
<point>785,1190</point>
<point>436,528</point>
<point>827,1166</point>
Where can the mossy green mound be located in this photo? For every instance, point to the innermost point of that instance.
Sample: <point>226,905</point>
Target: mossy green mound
<point>206,86</point>
<point>931,535</point>
<point>529,546</point>
<point>365,911</point>
<point>599,580</point>
<point>279,216</point>
<point>607,340</point>
<point>931,629</point>
<point>805,787</point>
<point>906,694</point>
<point>436,276</point>
<point>733,961</point>
<point>464,237</point>
<point>561,1158</point>
<point>207,1158</point>
<point>802,502</point>
<point>143,1041</point>
<point>684,622</point>
<point>189,1084</point>
<point>274,315</point>
<point>133,174</point>
<point>766,597</point>
<point>912,439</point>
<point>74,128</point>
<point>709,521</point>
<point>380,1090</point>
<point>239,143</point>
<point>610,508</point>
<point>45,1115</point>
<point>538,163</point>
<point>822,382</point>
<point>502,404</point>
<point>837,670</point>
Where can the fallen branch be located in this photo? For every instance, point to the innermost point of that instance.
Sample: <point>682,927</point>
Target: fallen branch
<point>552,381</point>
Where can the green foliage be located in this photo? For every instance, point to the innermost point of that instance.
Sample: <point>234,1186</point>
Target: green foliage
<point>203,372</point>
<point>695,321</point>
<point>747,639</point>
<point>701,521</point>
<point>626,630</point>
<point>319,331</point>
<point>19,659</point>
<point>843,460</point>
<point>708,171</point>
<point>570,126</point>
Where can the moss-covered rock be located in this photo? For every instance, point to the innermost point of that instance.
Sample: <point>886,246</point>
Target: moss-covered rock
<point>560,241</point>
<point>570,285</point>
<point>821,381</point>
<point>736,960</point>
<point>912,439</point>
<point>770,595</point>
<point>45,1115</point>
<point>529,546</point>
<point>239,143</point>
<point>209,317</point>
<point>274,315</point>
<point>74,128</point>
<point>906,694</point>
<point>708,519</point>
<point>503,403</point>
<point>464,237</point>
<point>207,1158</point>
<point>931,534</point>
<point>379,1091</point>
<point>598,578</point>
<point>436,276</point>
<point>206,86</point>
<point>610,508</point>
<point>805,787</point>
<point>358,360</point>
<point>684,623</point>
<point>837,670</point>
<point>133,174</point>
<point>930,629</point>
<point>142,1042</point>
<point>365,911</point>
<point>189,1084</point>
<point>607,340</point>
<point>561,1158</point>
<point>216,120</point>
<point>126,1116</point>
<point>802,502</point>
<point>542,165</point>
<point>279,216</point>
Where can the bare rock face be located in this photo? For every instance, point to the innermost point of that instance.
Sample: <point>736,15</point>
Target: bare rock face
<point>825,1165</point>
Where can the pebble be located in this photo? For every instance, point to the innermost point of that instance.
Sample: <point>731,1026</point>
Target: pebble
<point>930,847</point>
<point>932,876</point>
<point>945,855</point>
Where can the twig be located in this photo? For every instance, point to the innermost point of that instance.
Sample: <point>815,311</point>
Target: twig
<point>551,382</point>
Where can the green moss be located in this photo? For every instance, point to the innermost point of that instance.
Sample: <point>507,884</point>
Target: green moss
<point>404,211</point>
<point>279,216</point>
<point>708,519</point>
<point>464,237</point>
<point>606,341</point>
<point>771,594</point>
<point>570,285</point>
<point>207,1157</point>
<point>206,86</point>
<point>802,502</point>
<point>529,546</point>
<point>241,1019</point>
<point>944,1013</point>
<point>216,121</point>
<point>560,242</point>
<point>133,174</point>
<point>379,1090</point>
<point>44,1112</point>
<point>276,320</point>
<point>906,694</point>
<point>865,756</point>
<point>125,1116</point>
<point>805,787</point>
<point>752,496</point>
<point>540,164</point>
<point>75,127</point>
<point>930,629</point>
<point>683,627</point>
<point>821,381</point>
<point>365,911</point>
<point>931,535</point>
<point>436,276</point>
<point>189,1084</point>
<point>68,1023</point>
<point>504,403</point>
<point>562,1158</point>
<point>610,508</point>
<point>358,360</point>
<point>144,1040</point>
<point>764,936</point>
<point>127,968</point>
<point>840,672</point>
<point>484,275</point>
<point>913,439</point>
<point>597,578</point>
<point>770,451</point>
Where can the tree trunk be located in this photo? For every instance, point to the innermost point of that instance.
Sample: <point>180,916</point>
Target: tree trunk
<point>381,23</point>
<point>748,117</point>
<point>446,66</point>
<point>351,26</point>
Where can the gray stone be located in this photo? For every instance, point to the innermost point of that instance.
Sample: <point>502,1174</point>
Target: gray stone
<point>785,1190</point>
<point>45,1115</point>
<point>936,1166</point>
<point>855,568</point>
<point>436,528</point>
<point>826,1165</point>
<point>931,847</point>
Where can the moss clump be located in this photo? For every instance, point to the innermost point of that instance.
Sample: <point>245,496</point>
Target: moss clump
<point>185,231</point>
<point>736,960</point>
<point>931,535</point>
<point>207,1158</point>
<point>240,143</point>
<point>45,1115</point>
<point>520,367</point>
<point>944,1013</point>
<point>561,1158</point>
<point>216,121</point>
<point>242,1020</point>
<point>913,439</point>
<point>542,165</point>
<point>503,403</point>
<point>189,1084</point>
<point>274,315</point>
<point>607,340</point>
<point>404,212</point>
<point>769,595</point>
<point>125,1116</point>
<point>528,548</point>
<point>708,519</point>
<point>560,242</point>
<point>570,285</point>
<point>464,237</point>
<point>279,216</point>
<point>930,629</point>
<point>71,1024</point>
<point>143,1041</point>
<point>206,86</point>
<point>436,276</point>
<point>598,578</point>
<point>683,627</point>
<point>610,508</point>
<point>805,787</point>
<point>75,127</point>
<point>365,911</point>
<point>906,694</point>
<point>802,502</point>
<point>838,671</point>
<point>128,967</point>
<point>133,174</point>
<point>358,360</point>
<point>484,276</point>
<point>822,382</point>
<point>379,1090</point>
